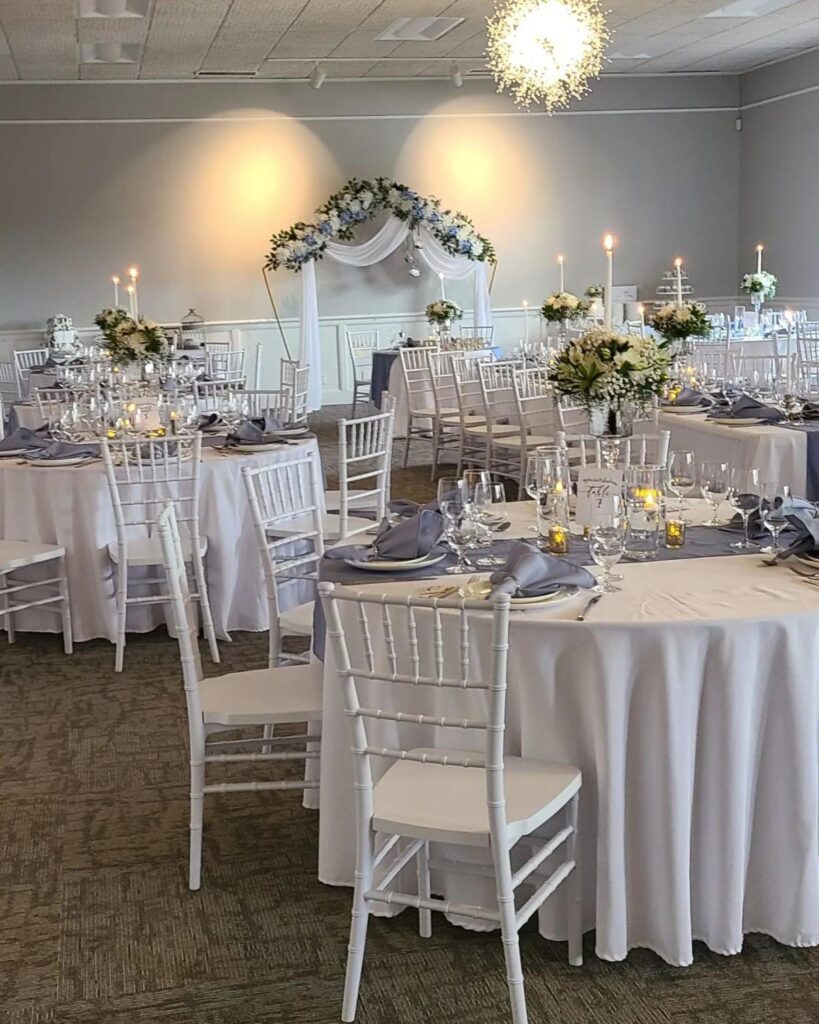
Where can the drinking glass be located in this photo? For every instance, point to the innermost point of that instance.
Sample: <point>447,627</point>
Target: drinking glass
<point>745,496</point>
<point>459,530</point>
<point>776,505</point>
<point>607,541</point>
<point>682,475</point>
<point>715,482</point>
<point>472,479</point>
<point>451,489</point>
<point>486,494</point>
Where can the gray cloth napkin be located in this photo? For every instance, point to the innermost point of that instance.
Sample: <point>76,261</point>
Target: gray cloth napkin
<point>810,411</point>
<point>530,572</point>
<point>61,450</point>
<point>25,438</point>
<point>806,539</point>
<point>690,397</point>
<point>406,507</point>
<point>746,407</point>
<point>799,507</point>
<point>412,538</point>
<point>208,419</point>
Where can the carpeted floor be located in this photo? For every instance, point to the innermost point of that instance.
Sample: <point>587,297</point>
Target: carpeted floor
<point>97,925</point>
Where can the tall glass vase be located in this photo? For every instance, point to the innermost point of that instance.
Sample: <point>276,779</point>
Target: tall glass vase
<point>611,422</point>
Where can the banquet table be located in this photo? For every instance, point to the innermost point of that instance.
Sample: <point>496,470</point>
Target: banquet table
<point>690,701</point>
<point>70,506</point>
<point>780,453</point>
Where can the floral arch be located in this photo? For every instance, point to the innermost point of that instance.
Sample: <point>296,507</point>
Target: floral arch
<point>448,243</point>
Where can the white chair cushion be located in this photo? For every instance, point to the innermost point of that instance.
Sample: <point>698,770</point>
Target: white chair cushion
<point>14,554</point>
<point>448,804</point>
<point>331,524</point>
<point>288,694</point>
<point>355,499</point>
<point>497,429</point>
<point>532,441</point>
<point>148,550</point>
<point>298,620</point>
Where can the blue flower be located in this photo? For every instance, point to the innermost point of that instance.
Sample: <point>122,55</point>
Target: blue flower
<point>325,227</point>
<point>345,217</point>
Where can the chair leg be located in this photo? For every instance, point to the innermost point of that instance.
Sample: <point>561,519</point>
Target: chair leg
<point>197,815</point>
<point>9,614</point>
<point>407,445</point>
<point>422,867</point>
<point>122,610</point>
<point>509,936</point>
<point>358,929</point>
<point>65,608</point>
<point>573,890</point>
<point>436,444</point>
<point>204,605</point>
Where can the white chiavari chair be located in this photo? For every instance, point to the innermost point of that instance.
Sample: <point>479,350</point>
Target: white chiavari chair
<point>269,404</point>
<point>714,360</point>
<point>143,475</point>
<point>227,364</point>
<point>756,368</point>
<point>360,346</point>
<point>485,333</point>
<point>538,419</point>
<point>466,374</point>
<point>211,395</point>
<point>51,403</point>
<point>634,328</point>
<point>446,424</point>
<point>285,507</point>
<point>648,449</point>
<point>421,411</point>
<point>497,383</point>
<point>49,594</point>
<point>294,383</point>
<point>26,360</point>
<point>8,384</point>
<point>364,468</point>
<point>2,419</point>
<point>217,346</point>
<point>240,701</point>
<point>807,354</point>
<point>385,646</point>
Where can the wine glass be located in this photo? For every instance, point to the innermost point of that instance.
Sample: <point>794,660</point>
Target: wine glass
<point>745,497</point>
<point>473,478</point>
<point>607,540</point>
<point>451,489</point>
<point>459,530</point>
<point>682,475</point>
<point>715,482</point>
<point>777,503</point>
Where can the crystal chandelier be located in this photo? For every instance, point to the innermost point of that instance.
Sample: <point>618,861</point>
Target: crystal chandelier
<point>546,51</point>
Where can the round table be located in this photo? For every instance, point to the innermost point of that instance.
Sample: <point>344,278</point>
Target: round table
<point>690,700</point>
<point>71,506</point>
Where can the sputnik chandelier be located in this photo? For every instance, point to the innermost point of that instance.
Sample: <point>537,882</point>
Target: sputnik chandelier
<point>546,51</point>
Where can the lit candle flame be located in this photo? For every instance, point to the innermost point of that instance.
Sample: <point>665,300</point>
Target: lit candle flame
<point>608,243</point>
<point>678,262</point>
<point>560,258</point>
<point>133,273</point>
<point>115,279</point>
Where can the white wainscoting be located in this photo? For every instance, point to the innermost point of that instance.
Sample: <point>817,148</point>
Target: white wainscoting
<point>263,337</point>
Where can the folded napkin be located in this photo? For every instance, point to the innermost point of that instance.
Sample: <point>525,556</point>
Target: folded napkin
<point>810,411</point>
<point>530,572</point>
<point>406,507</point>
<point>61,450</point>
<point>746,407</point>
<point>799,507</point>
<point>249,432</point>
<point>25,438</point>
<point>208,419</point>
<point>411,538</point>
<point>804,533</point>
<point>690,397</point>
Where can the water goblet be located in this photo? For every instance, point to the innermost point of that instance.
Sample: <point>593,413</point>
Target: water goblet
<point>451,489</point>
<point>777,503</point>
<point>745,497</point>
<point>682,475</point>
<point>607,541</point>
<point>715,482</point>
<point>459,533</point>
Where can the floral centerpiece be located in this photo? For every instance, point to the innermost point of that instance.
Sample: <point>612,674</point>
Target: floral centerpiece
<point>443,312</point>
<point>129,340</point>
<point>563,306</point>
<point>676,322</point>
<point>594,291</point>
<point>760,286</point>
<point>360,201</point>
<point>612,375</point>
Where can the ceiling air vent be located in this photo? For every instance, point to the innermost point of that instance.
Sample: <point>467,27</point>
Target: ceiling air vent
<point>113,8</point>
<point>418,30</point>
<point>110,53</point>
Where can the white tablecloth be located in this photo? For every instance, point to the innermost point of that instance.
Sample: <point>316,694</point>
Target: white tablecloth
<point>691,703</point>
<point>780,454</point>
<point>72,507</point>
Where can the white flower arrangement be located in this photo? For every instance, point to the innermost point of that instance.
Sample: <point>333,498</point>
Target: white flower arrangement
<point>129,340</point>
<point>594,291</point>
<point>443,312</point>
<point>563,306</point>
<point>604,366</point>
<point>760,285</point>
<point>673,322</point>
<point>359,201</point>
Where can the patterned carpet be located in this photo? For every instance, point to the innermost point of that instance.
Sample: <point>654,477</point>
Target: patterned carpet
<point>97,925</point>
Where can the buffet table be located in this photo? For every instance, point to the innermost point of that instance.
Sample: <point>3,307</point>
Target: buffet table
<point>71,506</point>
<point>690,700</point>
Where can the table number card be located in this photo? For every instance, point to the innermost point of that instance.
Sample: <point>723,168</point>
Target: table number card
<point>594,487</point>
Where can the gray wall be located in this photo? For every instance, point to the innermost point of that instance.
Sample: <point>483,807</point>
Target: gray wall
<point>190,180</point>
<point>779,194</point>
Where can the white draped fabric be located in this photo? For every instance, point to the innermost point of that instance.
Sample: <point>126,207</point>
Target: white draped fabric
<point>385,241</point>
<point>691,703</point>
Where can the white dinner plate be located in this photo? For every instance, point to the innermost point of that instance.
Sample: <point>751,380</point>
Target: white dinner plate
<point>685,410</point>
<point>390,565</point>
<point>9,453</point>
<point>739,422</point>
<point>291,432</point>
<point>483,588</point>
<point>252,448</point>
<point>70,460</point>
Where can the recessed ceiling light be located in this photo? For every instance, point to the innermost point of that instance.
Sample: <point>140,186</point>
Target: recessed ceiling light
<point>113,8</point>
<point>419,30</point>
<point>110,53</point>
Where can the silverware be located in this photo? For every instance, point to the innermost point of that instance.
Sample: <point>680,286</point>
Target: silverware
<point>582,616</point>
<point>806,574</point>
